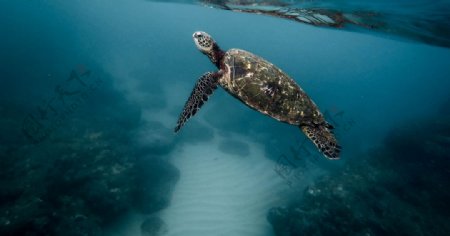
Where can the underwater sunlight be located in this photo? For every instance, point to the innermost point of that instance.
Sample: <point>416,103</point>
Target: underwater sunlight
<point>291,118</point>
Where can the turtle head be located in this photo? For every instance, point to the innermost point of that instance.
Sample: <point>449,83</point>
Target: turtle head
<point>208,46</point>
<point>204,42</point>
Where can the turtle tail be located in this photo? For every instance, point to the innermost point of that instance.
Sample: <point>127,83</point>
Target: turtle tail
<point>322,136</point>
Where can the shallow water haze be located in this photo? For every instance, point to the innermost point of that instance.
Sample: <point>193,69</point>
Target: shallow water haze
<point>91,92</point>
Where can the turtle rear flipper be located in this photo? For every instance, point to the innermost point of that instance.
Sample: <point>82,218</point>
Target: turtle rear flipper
<point>204,87</point>
<point>324,139</point>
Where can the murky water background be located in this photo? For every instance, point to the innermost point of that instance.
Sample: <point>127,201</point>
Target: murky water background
<point>91,92</point>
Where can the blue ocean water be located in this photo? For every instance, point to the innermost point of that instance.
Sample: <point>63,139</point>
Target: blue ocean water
<point>91,92</point>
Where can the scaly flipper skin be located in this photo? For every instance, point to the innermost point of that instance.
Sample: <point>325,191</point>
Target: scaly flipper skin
<point>204,87</point>
<point>323,138</point>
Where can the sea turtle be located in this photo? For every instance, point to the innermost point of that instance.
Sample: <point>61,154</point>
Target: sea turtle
<point>263,87</point>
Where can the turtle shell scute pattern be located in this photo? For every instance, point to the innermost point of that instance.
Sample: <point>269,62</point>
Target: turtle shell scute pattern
<point>265,88</point>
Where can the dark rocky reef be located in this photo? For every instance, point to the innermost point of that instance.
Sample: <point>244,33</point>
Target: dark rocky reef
<point>157,179</point>
<point>400,188</point>
<point>86,173</point>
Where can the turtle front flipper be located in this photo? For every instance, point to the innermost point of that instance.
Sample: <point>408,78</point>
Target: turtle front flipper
<point>204,87</point>
<point>323,138</point>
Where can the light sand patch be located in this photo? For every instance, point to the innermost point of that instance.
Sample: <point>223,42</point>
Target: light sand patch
<point>222,194</point>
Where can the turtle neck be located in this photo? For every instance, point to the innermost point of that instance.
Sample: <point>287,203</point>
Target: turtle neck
<point>216,55</point>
